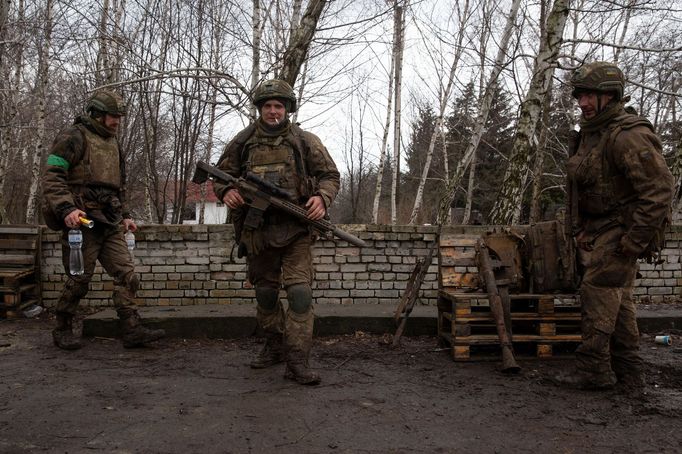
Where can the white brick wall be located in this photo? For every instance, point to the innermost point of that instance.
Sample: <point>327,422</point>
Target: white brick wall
<point>195,264</point>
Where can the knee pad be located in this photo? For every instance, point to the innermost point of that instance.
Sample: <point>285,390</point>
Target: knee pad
<point>266,298</point>
<point>75,289</point>
<point>300,297</point>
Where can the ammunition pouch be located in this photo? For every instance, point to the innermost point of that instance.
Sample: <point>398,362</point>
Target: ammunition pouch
<point>254,218</point>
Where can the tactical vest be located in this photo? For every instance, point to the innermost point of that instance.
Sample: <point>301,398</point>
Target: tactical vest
<point>602,189</point>
<point>100,165</point>
<point>274,160</point>
<point>604,194</point>
<point>253,151</point>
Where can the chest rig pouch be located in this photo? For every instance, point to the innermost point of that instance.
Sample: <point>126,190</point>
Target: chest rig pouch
<point>602,189</point>
<point>272,159</point>
<point>96,179</point>
<point>100,165</point>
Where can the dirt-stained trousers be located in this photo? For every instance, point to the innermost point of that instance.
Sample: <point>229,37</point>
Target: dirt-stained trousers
<point>610,338</point>
<point>106,244</point>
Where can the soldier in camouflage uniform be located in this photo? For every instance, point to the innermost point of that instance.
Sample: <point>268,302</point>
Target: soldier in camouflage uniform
<point>84,177</point>
<point>623,195</point>
<point>279,251</point>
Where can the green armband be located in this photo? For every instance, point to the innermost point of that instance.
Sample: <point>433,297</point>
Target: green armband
<point>54,160</point>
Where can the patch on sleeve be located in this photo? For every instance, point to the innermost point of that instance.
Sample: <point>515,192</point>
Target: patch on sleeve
<point>54,160</point>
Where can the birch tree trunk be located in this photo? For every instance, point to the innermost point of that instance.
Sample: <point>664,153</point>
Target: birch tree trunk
<point>102,64</point>
<point>482,117</point>
<point>507,208</point>
<point>41,97</point>
<point>398,49</point>
<point>257,35</point>
<point>482,50</point>
<point>300,40</point>
<point>627,14</point>
<point>5,93</point>
<point>445,96</point>
<point>539,165</point>
<point>384,142</point>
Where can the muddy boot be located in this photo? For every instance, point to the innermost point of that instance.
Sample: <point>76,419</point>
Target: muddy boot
<point>630,378</point>
<point>270,318</point>
<point>299,339</point>
<point>579,379</point>
<point>133,334</point>
<point>272,352</point>
<point>63,336</point>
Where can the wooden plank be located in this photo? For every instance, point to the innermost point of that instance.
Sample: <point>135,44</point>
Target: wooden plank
<point>455,261</point>
<point>522,316</point>
<point>493,339</point>
<point>452,279</point>
<point>18,244</point>
<point>19,230</point>
<point>15,273</point>
<point>17,260</point>
<point>544,351</point>
<point>458,240</point>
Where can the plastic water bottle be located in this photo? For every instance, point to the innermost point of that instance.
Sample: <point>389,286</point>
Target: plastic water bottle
<point>76,266</point>
<point>130,241</point>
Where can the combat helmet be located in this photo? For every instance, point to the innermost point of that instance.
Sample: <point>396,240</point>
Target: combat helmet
<point>106,101</point>
<point>598,76</point>
<point>275,89</point>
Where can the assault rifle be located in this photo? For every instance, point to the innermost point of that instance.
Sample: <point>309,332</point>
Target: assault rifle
<point>259,195</point>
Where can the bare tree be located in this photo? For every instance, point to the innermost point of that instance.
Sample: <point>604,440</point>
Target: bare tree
<point>463,15</point>
<point>300,40</point>
<point>398,43</point>
<point>40,95</point>
<point>483,111</point>
<point>508,206</point>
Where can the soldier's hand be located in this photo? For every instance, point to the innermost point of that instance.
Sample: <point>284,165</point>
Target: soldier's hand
<point>316,208</point>
<point>129,224</point>
<point>233,199</point>
<point>72,220</point>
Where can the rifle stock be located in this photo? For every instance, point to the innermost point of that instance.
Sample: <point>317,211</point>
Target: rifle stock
<point>255,192</point>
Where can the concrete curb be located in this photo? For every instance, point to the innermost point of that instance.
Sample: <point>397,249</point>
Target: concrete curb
<point>227,321</point>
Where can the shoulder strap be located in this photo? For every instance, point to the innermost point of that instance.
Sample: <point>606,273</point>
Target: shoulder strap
<point>242,137</point>
<point>301,147</point>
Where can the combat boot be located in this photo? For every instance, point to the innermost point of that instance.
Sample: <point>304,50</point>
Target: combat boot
<point>63,336</point>
<point>270,318</point>
<point>272,352</point>
<point>299,339</point>
<point>133,333</point>
<point>299,370</point>
<point>578,379</point>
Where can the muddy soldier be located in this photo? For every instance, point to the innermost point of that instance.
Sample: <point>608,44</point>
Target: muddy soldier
<point>84,177</point>
<point>277,246</point>
<point>622,197</point>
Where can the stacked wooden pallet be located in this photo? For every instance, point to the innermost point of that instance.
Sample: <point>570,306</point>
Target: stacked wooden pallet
<point>20,254</point>
<point>541,325</point>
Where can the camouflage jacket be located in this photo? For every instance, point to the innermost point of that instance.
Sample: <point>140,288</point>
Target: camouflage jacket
<point>622,178</point>
<point>65,189</point>
<point>317,162</point>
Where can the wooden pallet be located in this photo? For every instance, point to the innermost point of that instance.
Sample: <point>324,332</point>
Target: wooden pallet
<point>20,255</point>
<point>543,325</point>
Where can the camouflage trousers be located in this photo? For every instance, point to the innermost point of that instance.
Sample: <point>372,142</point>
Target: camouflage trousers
<point>290,267</point>
<point>610,338</point>
<point>106,244</point>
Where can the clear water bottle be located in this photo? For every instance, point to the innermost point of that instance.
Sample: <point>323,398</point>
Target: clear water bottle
<point>76,266</point>
<point>130,241</point>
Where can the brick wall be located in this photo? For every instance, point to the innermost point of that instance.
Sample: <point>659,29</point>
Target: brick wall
<point>195,264</point>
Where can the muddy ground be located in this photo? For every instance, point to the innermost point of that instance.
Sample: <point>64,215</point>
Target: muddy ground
<point>198,396</point>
